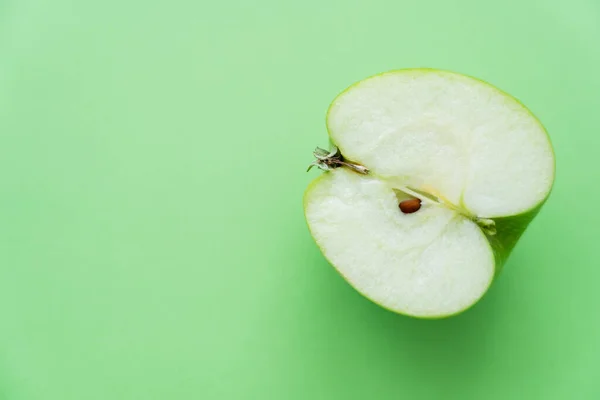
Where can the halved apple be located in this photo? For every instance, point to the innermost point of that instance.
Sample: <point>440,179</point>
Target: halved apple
<point>432,178</point>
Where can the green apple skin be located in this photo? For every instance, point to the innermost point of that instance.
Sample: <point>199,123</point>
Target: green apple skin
<point>509,229</point>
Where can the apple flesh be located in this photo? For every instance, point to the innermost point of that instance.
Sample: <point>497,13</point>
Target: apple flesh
<point>477,162</point>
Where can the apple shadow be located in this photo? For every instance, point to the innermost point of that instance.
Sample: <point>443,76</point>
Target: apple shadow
<point>440,351</point>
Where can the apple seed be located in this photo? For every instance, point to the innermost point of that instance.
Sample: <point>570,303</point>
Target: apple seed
<point>410,206</point>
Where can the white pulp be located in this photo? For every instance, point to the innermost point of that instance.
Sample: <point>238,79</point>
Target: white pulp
<point>447,133</point>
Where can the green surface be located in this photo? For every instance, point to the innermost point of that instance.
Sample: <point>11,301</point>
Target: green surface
<point>152,238</point>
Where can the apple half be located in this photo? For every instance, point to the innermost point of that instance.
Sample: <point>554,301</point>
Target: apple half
<point>431,179</point>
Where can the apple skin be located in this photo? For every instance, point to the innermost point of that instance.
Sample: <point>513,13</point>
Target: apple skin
<point>509,229</point>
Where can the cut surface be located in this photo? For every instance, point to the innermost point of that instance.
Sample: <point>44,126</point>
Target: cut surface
<point>430,263</point>
<point>480,163</point>
<point>447,134</point>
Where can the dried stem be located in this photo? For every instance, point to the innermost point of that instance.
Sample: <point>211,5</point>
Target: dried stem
<point>328,160</point>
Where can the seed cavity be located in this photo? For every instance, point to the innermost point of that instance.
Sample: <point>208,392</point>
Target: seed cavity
<point>410,206</point>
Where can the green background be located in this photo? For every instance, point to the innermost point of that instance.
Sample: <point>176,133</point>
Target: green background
<point>152,167</point>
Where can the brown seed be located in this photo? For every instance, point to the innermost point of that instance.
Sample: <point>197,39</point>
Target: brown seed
<point>410,206</point>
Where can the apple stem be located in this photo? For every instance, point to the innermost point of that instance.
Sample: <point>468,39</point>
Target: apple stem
<point>328,160</point>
